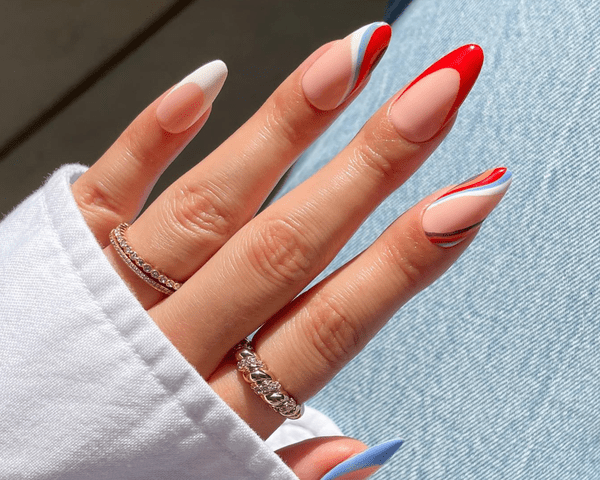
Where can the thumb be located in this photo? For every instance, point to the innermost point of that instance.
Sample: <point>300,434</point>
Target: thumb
<point>329,458</point>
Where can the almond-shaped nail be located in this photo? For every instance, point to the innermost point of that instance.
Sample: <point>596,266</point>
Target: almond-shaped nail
<point>433,97</point>
<point>452,217</point>
<point>190,98</point>
<point>343,68</point>
<point>372,457</point>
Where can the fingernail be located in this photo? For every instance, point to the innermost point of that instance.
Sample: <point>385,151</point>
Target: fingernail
<point>372,457</point>
<point>190,98</point>
<point>343,68</point>
<point>432,98</point>
<point>449,219</point>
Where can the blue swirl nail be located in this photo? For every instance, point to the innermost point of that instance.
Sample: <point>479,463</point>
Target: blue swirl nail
<point>372,457</point>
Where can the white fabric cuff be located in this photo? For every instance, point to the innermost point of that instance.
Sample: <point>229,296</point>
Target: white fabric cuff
<point>89,385</point>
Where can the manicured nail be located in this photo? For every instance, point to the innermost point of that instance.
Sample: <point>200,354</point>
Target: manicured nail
<point>344,67</point>
<point>372,457</point>
<point>432,98</point>
<point>449,219</point>
<point>191,97</point>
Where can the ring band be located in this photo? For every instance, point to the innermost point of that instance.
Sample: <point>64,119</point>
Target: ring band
<point>256,374</point>
<point>153,277</point>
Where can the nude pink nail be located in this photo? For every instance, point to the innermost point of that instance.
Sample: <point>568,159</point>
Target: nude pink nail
<point>452,217</point>
<point>345,66</point>
<point>190,98</point>
<point>432,98</point>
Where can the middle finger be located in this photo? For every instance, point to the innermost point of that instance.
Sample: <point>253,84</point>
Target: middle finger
<point>269,261</point>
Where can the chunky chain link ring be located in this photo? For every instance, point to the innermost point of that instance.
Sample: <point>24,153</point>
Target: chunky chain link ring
<point>255,372</point>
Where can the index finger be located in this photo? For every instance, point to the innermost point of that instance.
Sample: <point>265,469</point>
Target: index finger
<point>115,188</point>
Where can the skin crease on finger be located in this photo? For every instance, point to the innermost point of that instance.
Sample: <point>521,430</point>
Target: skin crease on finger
<point>407,258</point>
<point>364,294</point>
<point>308,339</point>
<point>115,188</point>
<point>410,158</point>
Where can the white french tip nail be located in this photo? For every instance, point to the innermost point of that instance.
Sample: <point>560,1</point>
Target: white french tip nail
<point>191,97</point>
<point>210,78</point>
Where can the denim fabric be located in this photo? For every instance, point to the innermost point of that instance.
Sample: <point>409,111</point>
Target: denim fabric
<point>494,371</point>
<point>394,9</point>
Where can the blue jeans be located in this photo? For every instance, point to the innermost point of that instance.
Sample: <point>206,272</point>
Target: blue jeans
<point>494,371</point>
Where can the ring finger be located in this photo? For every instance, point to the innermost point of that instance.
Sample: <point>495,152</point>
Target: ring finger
<point>309,341</point>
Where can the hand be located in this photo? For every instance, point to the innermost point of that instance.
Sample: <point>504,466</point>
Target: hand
<point>239,271</point>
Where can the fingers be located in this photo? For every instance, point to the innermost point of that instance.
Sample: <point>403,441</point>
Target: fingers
<point>307,343</point>
<point>115,188</point>
<point>195,216</point>
<point>276,255</point>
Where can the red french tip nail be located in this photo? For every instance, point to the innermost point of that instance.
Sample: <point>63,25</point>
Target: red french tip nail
<point>467,61</point>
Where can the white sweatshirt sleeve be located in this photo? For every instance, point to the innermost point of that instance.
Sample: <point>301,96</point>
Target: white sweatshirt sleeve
<point>90,388</point>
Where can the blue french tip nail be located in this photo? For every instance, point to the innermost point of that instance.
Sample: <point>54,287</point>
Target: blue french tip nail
<point>372,457</point>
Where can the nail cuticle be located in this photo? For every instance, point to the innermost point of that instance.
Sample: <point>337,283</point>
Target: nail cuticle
<point>187,101</point>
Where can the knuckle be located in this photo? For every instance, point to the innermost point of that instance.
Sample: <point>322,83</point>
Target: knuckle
<point>282,251</point>
<point>333,331</point>
<point>379,153</point>
<point>407,264</point>
<point>375,163</point>
<point>135,146</point>
<point>199,209</point>
<point>97,200</point>
<point>280,122</point>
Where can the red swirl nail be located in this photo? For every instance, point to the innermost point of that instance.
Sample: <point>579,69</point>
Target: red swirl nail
<point>345,66</point>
